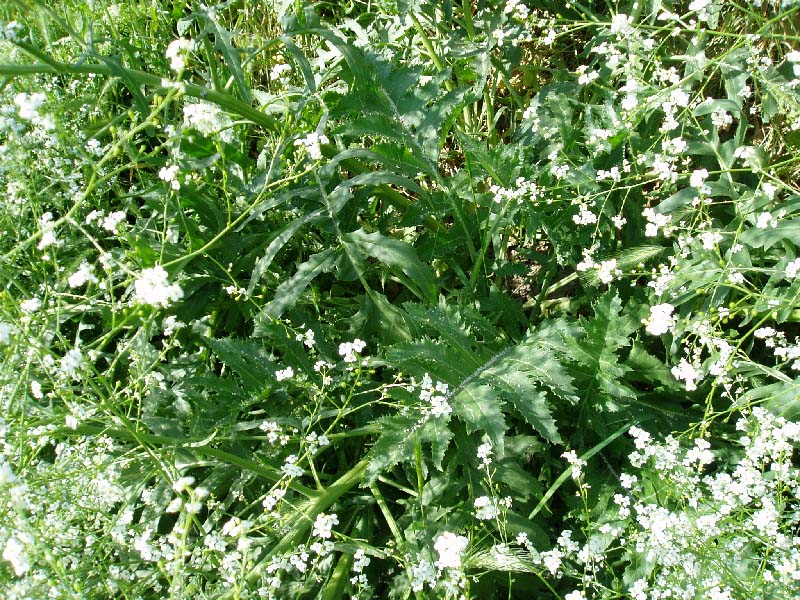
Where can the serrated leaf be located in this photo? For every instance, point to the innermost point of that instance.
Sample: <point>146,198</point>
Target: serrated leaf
<point>290,290</point>
<point>398,436</point>
<point>479,407</point>
<point>459,330</point>
<point>400,257</point>
<point>247,358</point>
<point>280,239</point>
<point>647,367</point>
<point>429,356</point>
<point>520,390</point>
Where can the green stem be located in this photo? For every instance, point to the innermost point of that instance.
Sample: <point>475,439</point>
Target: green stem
<point>299,525</point>
<point>221,99</point>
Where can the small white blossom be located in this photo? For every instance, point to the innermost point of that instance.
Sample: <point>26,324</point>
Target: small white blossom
<point>660,320</point>
<point>323,525</point>
<point>29,105</point>
<point>178,54</point>
<point>112,221</point>
<point>792,269</point>
<point>312,143</point>
<point>14,552</point>
<point>450,547</point>
<point>575,462</point>
<point>84,274</point>
<point>485,454</point>
<point>71,363</point>
<point>348,350</point>
<point>283,374</point>
<point>152,288</point>
<point>6,331</point>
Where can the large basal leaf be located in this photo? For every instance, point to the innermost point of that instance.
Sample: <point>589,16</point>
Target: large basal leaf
<point>399,433</point>
<point>480,408</point>
<point>596,351</point>
<point>520,390</point>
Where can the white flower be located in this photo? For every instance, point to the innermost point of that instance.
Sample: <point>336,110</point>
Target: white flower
<point>84,274</point>
<point>348,350</point>
<point>323,525</point>
<point>178,53</point>
<point>278,71</point>
<point>660,320</point>
<point>6,472</point>
<point>14,552</point>
<point>284,374</point>
<point>111,222</point>
<point>621,24</point>
<point>152,288</point>
<point>710,239</point>
<point>685,371</point>
<point>576,595</point>
<point>575,462</point>
<point>312,143</point>
<point>655,221</point>
<point>31,305</point>
<point>485,454</point>
<point>208,119</point>
<point>585,216</point>
<point>307,338</point>
<point>698,178</point>
<point>290,468</point>
<point>607,271</point>
<point>450,547</point>
<point>71,363</point>
<point>421,574</point>
<point>170,175</point>
<point>5,333</point>
<point>485,509</point>
<point>183,483</point>
<point>721,118</point>
<point>29,105</point>
<point>48,231</point>
<point>765,220</point>
<point>792,268</point>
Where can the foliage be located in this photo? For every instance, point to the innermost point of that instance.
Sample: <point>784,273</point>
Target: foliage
<point>397,299</point>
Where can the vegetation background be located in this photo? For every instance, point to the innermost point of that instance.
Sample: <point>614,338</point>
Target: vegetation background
<point>378,299</point>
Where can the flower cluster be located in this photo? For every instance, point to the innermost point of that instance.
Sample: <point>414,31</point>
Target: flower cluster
<point>152,287</point>
<point>434,397</point>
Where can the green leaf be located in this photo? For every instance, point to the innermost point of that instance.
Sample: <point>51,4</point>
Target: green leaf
<point>520,390</point>
<point>782,398</point>
<point>787,229</point>
<point>479,407</point>
<point>400,257</point>
<point>290,290</point>
<point>278,242</point>
<point>396,444</point>
<point>646,367</point>
<point>223,41</point>
<point>596,353</point>
<point>248,359</point>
